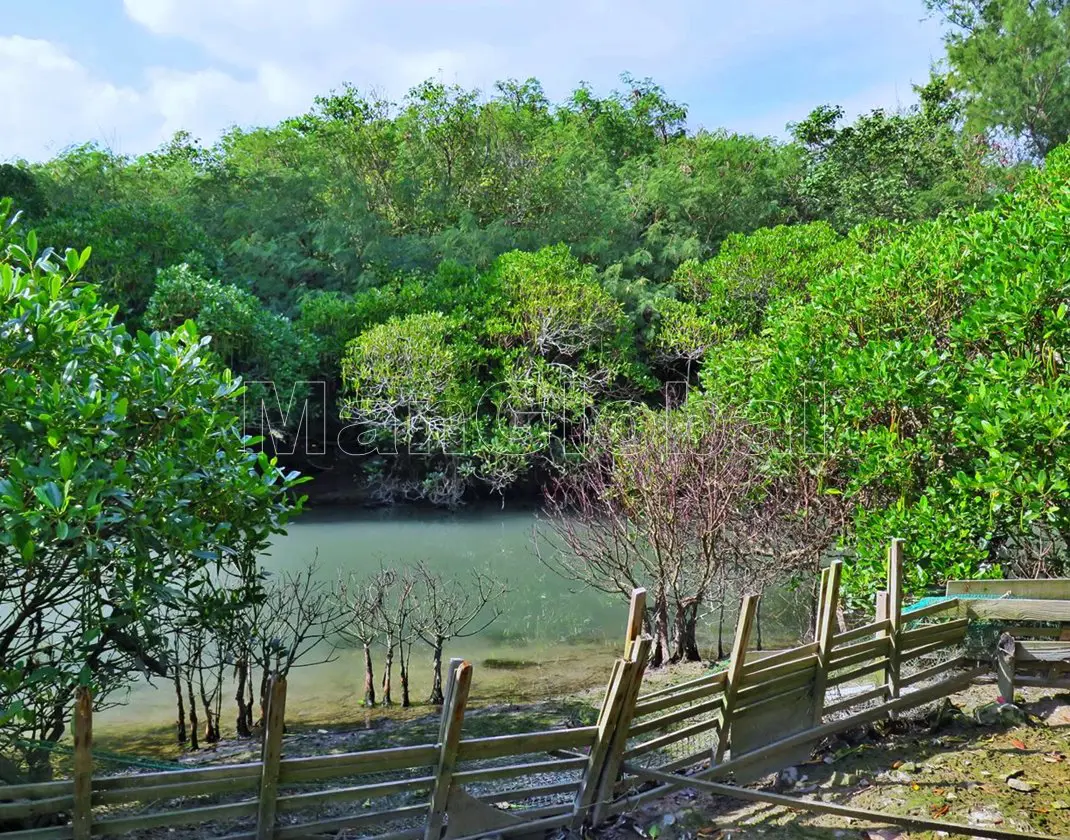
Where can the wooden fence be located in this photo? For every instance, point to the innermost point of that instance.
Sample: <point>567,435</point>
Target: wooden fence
<point>761,713</point>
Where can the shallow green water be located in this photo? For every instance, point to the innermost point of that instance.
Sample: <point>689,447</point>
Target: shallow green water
<point>567,635</point>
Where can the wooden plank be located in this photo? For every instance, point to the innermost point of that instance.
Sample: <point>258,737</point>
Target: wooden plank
<point>752,678</point>
<point>636,614</point>
<point>734,675</point>
<point>923,635</point>
<point>826,630</point>
<point>608,718</point>
<point>654,724</point>
<point>82,814</point>
<point>935,670</point>
<point>58,832</point>
<point>911,822</point>
<point>335,825</point>
<point>117,826</point>
<point>881,625</point>
<point>877,666</point>
<point>672,737</point>
<point>794,654</point>
<point>485,774</point>
<point>932,647</point>
<point>451,669</point>
<point>156,793</point>
<point>931,610</point>
<point>520,794</point>
<point>37,790</point>
<point>758,725</point>
<point>715,681</point>
<point>320,767</point>
<point>895,615</point>
<point>749,695</point>
<point>855,699</point>
<point>631,684</point>
<point>881,607</point>
<point>700,692</point>
<point>34,808</point>
<point>499,746</point>
<point>318,798</point>
<point>249,770</point>
<point>1019,610</point>
<point>1005,650</point>
<point>449,748</point>
<point>269,777</point>
<point>1042,651</point>
<point>1039,588</point>
<point>858,652</point>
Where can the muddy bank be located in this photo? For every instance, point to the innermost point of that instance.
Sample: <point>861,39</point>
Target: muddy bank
<point>1011,771</point>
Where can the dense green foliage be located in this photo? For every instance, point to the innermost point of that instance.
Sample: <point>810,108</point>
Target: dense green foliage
<point>926,380</point>
<point>127,495</point>
<point>475,278</point>
<point>1011,60</point>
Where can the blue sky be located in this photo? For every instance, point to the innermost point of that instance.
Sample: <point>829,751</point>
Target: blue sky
<point>128,73</point>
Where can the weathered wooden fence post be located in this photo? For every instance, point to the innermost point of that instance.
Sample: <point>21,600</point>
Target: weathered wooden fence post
<point>452,722</point>
<point>451,670</point>
<point>895,616</point>
<point>734,676</point>
<point>881,614</point>
<point>821,590</point>
<point>1005,665</point>
<point>826,629</point>
<point>618,708</point>
<point>274,724</point>
<point>82,817</point>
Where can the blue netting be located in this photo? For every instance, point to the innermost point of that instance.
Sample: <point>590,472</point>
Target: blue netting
<point>939,599</point>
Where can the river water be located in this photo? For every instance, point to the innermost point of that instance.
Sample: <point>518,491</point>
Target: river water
<point>554,635</point>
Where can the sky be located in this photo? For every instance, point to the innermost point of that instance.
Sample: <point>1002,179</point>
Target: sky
<point>127,74</point>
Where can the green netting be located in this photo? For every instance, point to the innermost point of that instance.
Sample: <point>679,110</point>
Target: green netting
<point>108,757</point>
<point>939,599</point>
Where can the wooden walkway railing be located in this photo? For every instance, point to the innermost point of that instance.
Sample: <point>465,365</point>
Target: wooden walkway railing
<point>758,715</point>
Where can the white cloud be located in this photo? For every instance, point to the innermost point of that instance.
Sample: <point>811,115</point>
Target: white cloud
<point>51,101</point>
<point>267,59</point>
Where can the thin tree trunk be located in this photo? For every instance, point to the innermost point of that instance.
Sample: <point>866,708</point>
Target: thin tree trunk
<point>662,653</point>
<point>249,704</point>
<point>180,724</point>
<point>758,621</point>
<point>388,672</point>
<point>436,685</point>
<point>241,722</point>
<point>720,631</point>
<point>193,745</point>
<point>369,677</point>
<point>406,700</point>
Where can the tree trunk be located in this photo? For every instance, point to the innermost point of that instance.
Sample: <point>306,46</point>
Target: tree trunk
<point>687,632</point>
<point>662,652</point>
<point>720,631</point>
<point>180,724</point>
<point>388,672</point>
<point>436,685</point>
<point>263,697</point>
<point>249,704</point>
<point>193,745</point>
<point>241,722</point>
<point>211,725</point>
<point>406,700</point>
<point>758,621</point>
<point>369,677</point>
